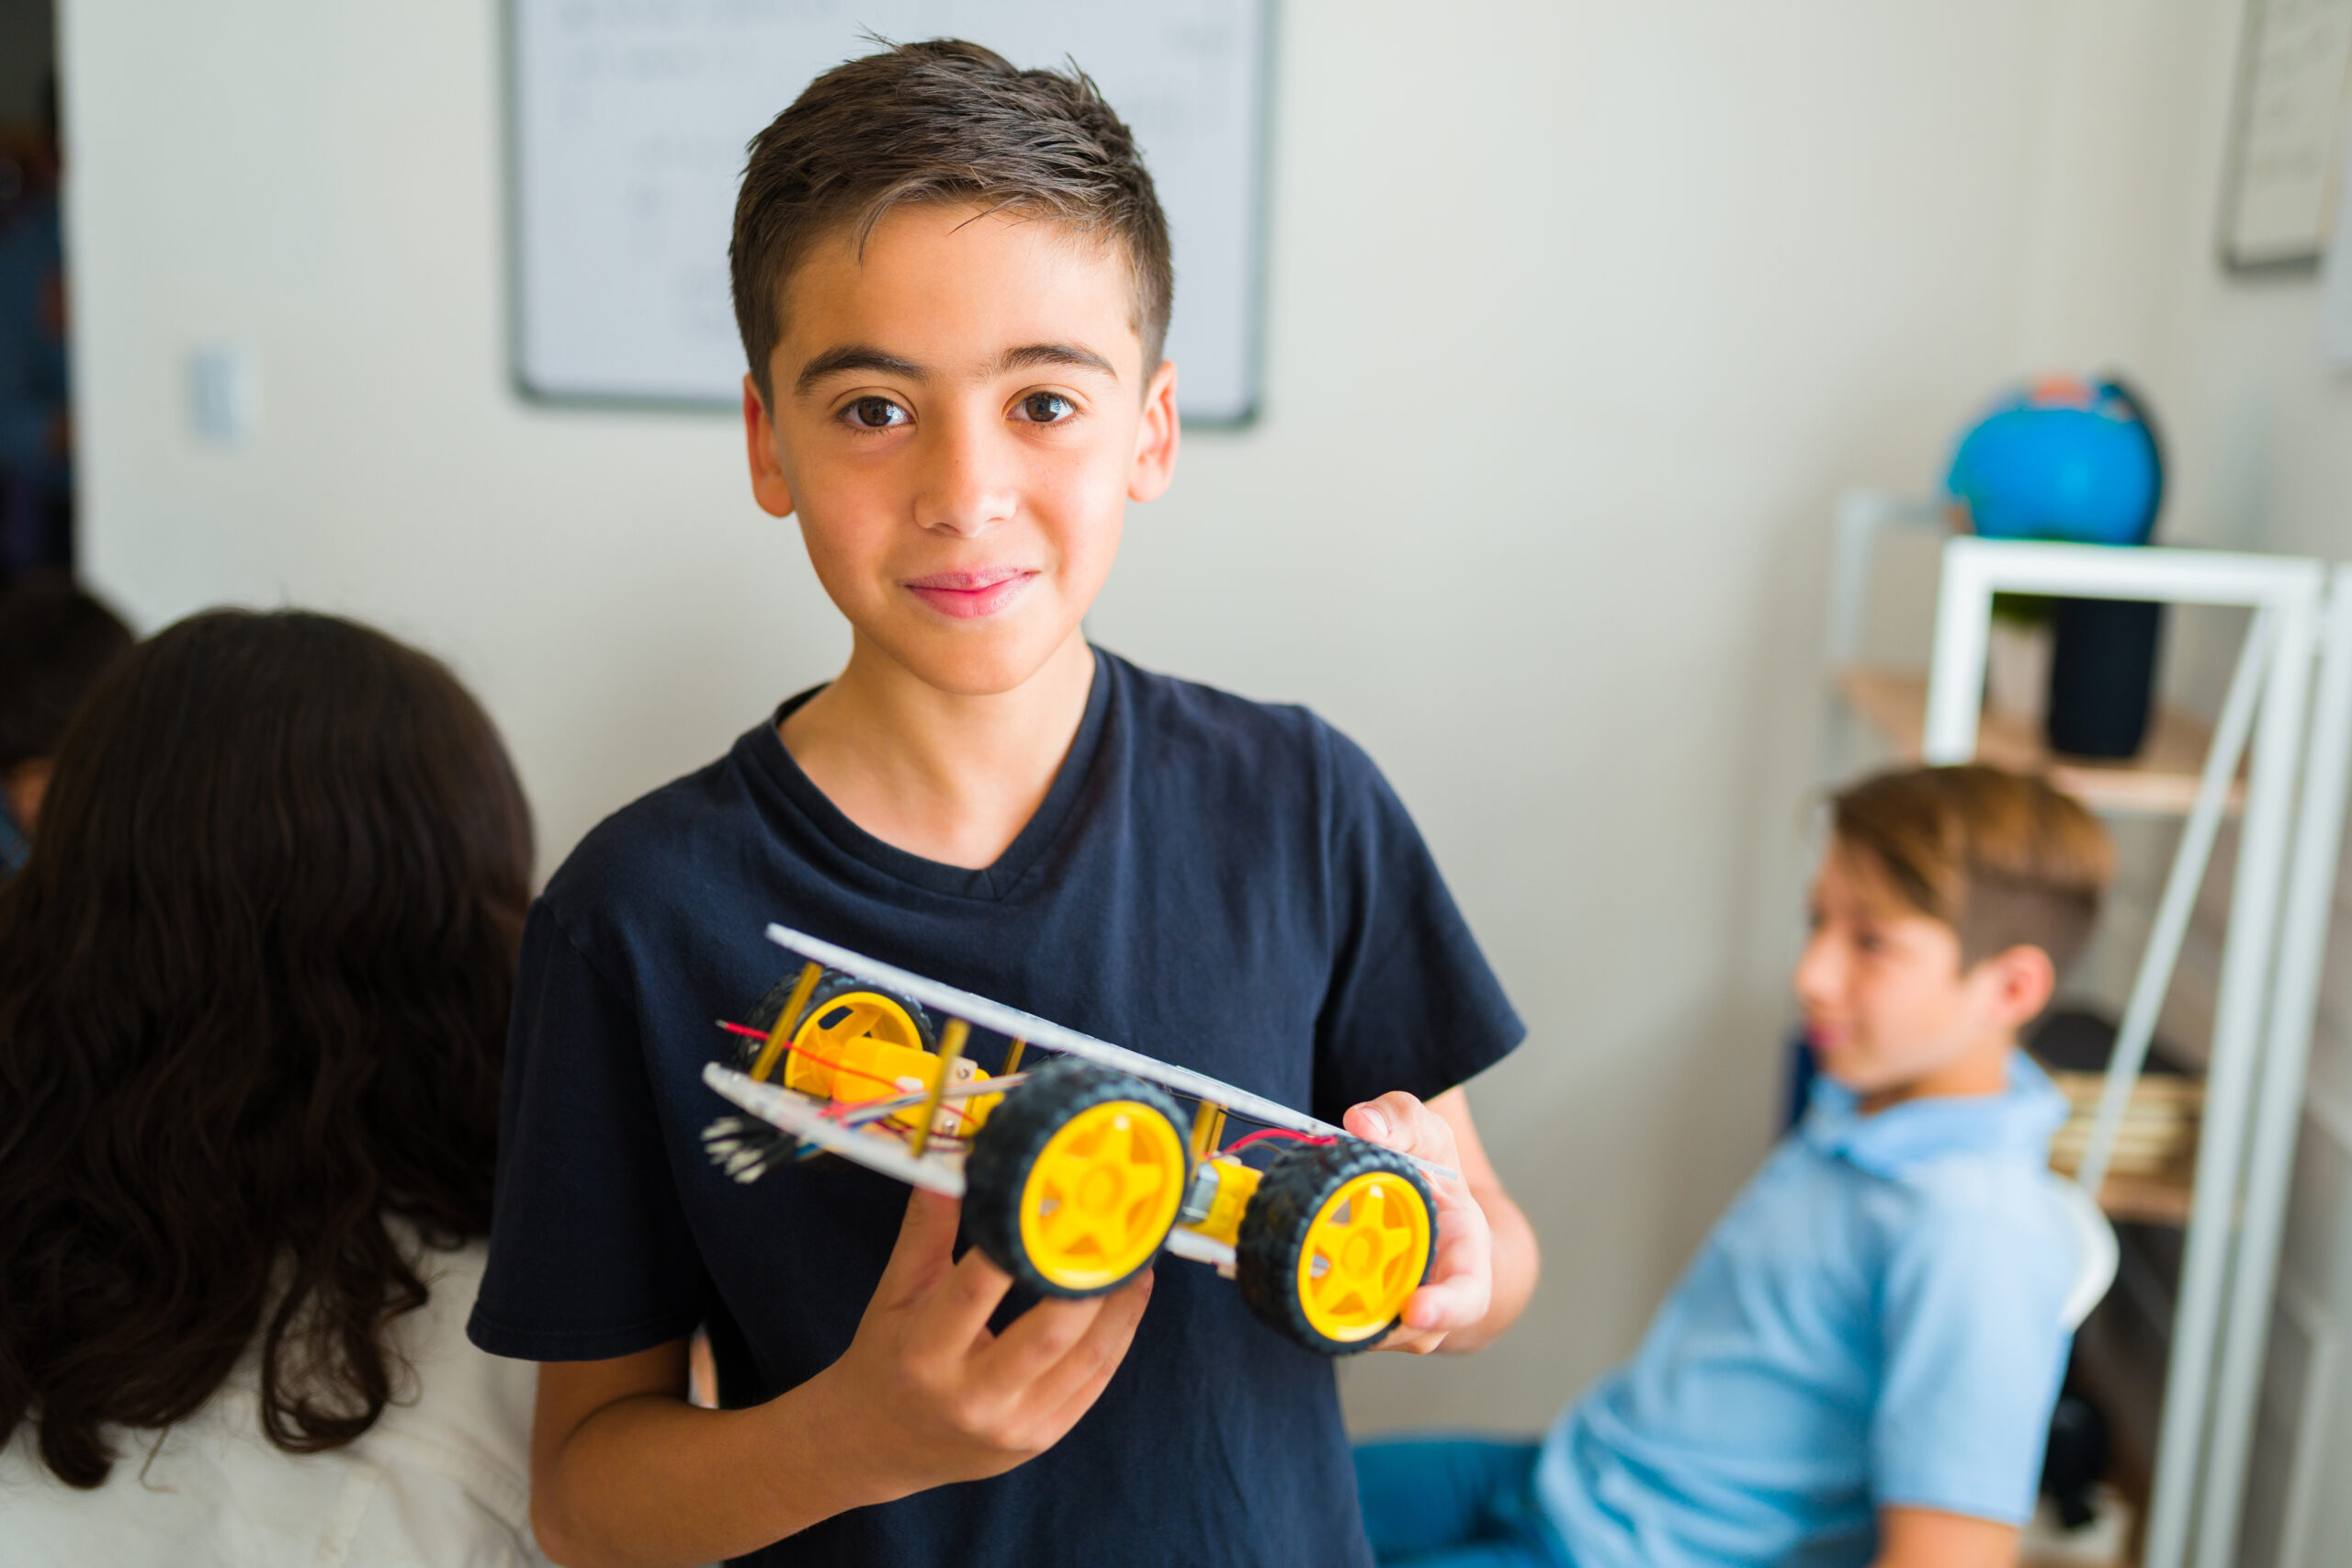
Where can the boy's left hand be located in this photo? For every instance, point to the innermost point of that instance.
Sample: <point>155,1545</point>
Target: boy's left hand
<point>1459,1292</point>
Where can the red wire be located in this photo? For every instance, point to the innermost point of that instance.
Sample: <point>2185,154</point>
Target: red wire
<point>1237,1145</point>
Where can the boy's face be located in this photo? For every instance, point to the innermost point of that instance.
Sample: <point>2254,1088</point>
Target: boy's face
<point>959,419</point>
<point>1888,1008</point>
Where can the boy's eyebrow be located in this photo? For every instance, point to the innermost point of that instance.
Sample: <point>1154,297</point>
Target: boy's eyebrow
<point>1068,353</point>
<point>856,356</point>
<point>864,357</point>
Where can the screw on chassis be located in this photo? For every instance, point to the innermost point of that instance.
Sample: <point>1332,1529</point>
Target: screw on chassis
<point>1077,1173</point>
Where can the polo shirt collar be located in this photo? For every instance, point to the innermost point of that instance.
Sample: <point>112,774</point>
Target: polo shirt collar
<point>2019,1120</point>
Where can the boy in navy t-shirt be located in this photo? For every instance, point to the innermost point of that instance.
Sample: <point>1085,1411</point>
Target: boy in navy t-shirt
<point>953,282</point>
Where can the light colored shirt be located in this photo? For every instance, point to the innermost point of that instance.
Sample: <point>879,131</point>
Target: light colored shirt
<point>1877,1321</point>
<point>441,1479</point>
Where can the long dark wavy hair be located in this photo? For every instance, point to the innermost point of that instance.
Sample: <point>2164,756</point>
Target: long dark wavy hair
<point>253,985</point>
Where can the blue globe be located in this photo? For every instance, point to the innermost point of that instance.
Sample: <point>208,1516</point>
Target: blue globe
<point>2061,459</point>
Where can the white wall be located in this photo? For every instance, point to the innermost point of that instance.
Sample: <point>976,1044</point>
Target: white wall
<point>1580,316</point>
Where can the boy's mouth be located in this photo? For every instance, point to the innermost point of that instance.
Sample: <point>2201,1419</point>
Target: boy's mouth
<point>1826,1037</point>
<point>969,595</point>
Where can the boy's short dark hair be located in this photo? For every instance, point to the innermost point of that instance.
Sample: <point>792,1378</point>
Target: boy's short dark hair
<point>944,121</point>
<point>2003,858</point>
<point>55,641</point>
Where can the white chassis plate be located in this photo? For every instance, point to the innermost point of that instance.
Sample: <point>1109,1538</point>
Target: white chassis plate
<point>939,1170</point>
<point>1014,1024</point>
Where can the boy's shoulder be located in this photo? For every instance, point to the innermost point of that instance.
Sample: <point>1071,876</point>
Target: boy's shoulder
<point>1958,1174</point>
<point>658,847</point>
<point>1188,730</point>
<point>1170,708</point>
<point>1980,1223</point>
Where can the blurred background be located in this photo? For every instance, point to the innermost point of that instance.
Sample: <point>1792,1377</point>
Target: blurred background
<point>1577,318</point>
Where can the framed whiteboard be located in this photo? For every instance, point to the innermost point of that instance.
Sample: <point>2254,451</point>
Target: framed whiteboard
<point>627,122</point>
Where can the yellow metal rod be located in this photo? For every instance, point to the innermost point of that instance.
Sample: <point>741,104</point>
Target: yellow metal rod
<point>1011,1057</point>
<point>951,1051</point>
<point>786,1021</point>
<point>1208,1126</point>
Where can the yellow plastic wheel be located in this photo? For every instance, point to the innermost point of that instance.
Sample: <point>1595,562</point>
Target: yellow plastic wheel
<point>1335,1241</point>
<point>1101,1195</point>
<point>1366,1250</point>
<point>843,1011</point>
<point>854,1014</point>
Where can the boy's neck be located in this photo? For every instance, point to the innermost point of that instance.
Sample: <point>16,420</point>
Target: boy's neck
<point>1983,1069</point>
<point>948,777</point>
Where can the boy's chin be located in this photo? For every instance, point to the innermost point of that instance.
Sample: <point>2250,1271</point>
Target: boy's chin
<point>1855,1076</point>
<point>991,664</point>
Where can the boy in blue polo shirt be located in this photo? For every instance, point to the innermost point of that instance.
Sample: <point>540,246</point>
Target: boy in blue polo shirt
<point>952,279</point>
<point>1860,1365</point>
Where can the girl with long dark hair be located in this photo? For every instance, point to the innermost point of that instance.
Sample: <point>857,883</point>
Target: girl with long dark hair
<point>253,985</point>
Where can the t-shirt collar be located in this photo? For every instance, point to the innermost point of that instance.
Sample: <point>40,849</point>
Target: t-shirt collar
<point>763,751</point>
<point>2019,1120</point>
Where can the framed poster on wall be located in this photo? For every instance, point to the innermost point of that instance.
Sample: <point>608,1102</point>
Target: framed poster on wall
<point>2292,79</point>
<point>628,123</point>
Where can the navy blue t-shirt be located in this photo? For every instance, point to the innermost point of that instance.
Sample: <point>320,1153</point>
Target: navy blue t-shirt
<point>1215,881</point>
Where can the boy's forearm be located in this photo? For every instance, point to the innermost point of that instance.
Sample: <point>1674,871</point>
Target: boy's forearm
<point>653,1482</point>
<point>1927,1538</point>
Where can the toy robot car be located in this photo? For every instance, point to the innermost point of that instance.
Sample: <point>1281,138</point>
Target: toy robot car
<point>1075,1174</point>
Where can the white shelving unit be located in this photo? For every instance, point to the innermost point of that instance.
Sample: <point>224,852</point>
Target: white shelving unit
<point>2290,800</point>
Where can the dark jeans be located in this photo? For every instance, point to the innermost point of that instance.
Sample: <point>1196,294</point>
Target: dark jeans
<point>1453,1502</point>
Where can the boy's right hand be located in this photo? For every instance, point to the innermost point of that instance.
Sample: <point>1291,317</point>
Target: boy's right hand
<point>928,1395</point>
<point>625,1472</point>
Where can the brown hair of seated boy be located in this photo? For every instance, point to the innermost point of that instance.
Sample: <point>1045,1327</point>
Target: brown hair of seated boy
<point>1948,903</point>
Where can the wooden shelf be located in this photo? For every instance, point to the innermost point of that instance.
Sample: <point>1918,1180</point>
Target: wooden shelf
<point>2160,781</point>
<point>2148,1199</point>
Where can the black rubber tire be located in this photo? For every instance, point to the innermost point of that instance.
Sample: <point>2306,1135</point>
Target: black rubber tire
<point>997,1170</point>
<point>1274,1229</point>
<point>831,988</point>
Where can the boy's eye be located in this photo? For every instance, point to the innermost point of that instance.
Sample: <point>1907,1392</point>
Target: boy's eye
<point>876,413</point>
<point>1045,408</point>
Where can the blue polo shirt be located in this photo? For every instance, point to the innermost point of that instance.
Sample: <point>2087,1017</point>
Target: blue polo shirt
<point>1875,1322</point>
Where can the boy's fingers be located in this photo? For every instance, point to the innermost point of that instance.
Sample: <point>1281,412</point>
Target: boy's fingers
<point>1080,1376</point>
<point>926,1247</point>
<point>1460,1288</point>
<point>1393,1120</point>
<point>1412,1341</point>
<point>1034,1342</point>
<point>1448,1304</point>
<point>1088,1364</point>
<point>1401,1122</point>
<point>958,1311</point>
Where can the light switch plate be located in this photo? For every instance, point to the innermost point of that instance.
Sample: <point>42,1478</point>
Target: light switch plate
<point>224,394</point>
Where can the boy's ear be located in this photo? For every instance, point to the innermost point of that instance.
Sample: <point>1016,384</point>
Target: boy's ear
<point>2021,981</point>
<point>1156,437</point>
<point>768,486</point>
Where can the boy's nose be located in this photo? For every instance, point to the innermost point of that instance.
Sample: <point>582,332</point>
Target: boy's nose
<point>967,482</point>
<point>1817,975</point>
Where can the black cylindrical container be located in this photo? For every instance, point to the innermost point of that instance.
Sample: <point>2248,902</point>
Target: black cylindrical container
<point>2102,674</point>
